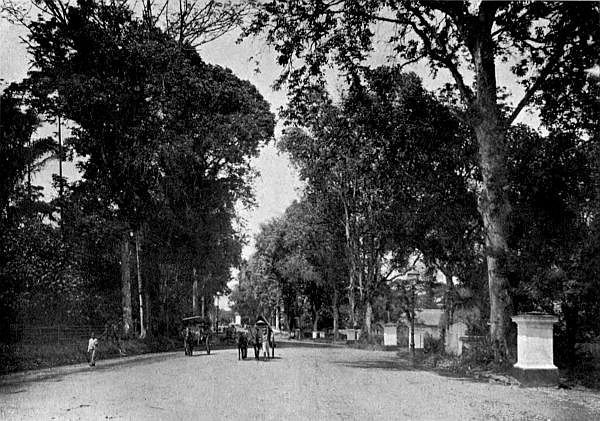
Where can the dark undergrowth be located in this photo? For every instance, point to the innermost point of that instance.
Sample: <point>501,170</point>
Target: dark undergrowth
<point>31,356</point>
<point>478,362</point>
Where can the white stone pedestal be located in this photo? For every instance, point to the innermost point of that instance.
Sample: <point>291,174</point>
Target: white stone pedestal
<point>535,354</point>
<point>350,334</point>
<point>390,334</point>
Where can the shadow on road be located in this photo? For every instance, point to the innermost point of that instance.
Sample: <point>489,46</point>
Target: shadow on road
<point>261,360</point>
<point>404,364</point>
<point>291,344</point>
<point>58,373</point>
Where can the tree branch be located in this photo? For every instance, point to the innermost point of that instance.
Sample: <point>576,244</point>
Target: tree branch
<point>553,61</point>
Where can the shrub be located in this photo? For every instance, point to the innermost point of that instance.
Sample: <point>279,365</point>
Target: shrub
<point>432,345</point>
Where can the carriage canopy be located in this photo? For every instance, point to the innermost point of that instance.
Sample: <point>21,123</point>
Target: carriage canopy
<point>200,321</point>
<point>262,322</point>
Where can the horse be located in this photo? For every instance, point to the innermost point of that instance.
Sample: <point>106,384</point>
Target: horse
<point>255,341</point>
<point>242,345</point>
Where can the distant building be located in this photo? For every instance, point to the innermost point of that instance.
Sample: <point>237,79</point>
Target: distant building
<point>427,322</point>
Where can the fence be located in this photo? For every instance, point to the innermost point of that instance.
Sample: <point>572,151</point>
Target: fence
<point>51,334</point>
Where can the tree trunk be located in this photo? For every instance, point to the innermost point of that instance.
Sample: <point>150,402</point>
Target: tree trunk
<point>195,294</point>
<point>412,333</point>
<point>353,270</point>
<point>493,201</point>
<point>163,299</point>
<point>148,311</point>
<point>570,315</point>
<point>336,315</point>
<point>277,326</point>
<point>316,318</point>
<point>126,286</point>
<point>140,289</point>
<point>203,307</point>
<point>368,318</point>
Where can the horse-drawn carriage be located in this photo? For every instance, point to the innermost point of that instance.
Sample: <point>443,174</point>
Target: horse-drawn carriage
<point>260,337</point>
<point>196,330</point>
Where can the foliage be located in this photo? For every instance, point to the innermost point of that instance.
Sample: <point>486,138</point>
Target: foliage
<point>389,157</point>
<point>165,142</point>
<point>468,39</point>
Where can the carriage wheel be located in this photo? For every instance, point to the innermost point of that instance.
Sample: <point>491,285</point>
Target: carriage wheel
<point>207,345</point>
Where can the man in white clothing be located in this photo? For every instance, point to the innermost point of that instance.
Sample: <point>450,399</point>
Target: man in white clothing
<point>92,345</point>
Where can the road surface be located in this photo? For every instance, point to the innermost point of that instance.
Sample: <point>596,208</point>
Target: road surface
<point>302,383</point>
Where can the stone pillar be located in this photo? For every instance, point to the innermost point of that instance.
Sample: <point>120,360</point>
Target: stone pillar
<point>390,334</point>
<point>535,354</point>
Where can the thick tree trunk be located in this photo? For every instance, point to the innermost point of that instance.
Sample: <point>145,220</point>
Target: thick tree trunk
<point>140,289</point>
<point>368,319</point>
<point>493,201</point>
<point>315,319</point>
<point>126,286</point>
<point>570,315</point>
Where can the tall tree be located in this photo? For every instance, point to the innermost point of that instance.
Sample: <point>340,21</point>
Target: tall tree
<point>166,136</point>
<point>466,38</point>
<point>386,155</point>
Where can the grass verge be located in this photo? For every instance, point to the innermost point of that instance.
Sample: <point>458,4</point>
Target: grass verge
<point>32,356</point>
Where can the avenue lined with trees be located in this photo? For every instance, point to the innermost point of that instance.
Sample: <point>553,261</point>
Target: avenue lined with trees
<point>506,211</point>
<point>500,217</point>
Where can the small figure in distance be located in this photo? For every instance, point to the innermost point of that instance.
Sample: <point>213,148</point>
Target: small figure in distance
<point>265,343</point>
<point>92,346</point>
<point>242,344</point>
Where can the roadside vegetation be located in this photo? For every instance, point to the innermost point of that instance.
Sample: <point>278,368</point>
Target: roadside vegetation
<point>476,199</point>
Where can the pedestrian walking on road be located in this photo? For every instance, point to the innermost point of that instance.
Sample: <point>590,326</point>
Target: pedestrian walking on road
<point>92,346</point>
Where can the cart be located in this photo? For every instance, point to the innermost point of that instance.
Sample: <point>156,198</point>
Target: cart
<point>196,330</point>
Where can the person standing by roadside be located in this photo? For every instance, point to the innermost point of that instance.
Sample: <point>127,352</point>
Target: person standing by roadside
<point>92,346</point>
<point>265,342</point>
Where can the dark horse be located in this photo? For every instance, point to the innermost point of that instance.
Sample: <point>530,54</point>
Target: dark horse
<point>242,345</point>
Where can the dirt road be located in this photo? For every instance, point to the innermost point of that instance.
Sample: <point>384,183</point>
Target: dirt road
<point>302,383</point>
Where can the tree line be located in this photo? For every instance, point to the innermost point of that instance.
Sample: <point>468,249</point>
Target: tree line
<point>163,142</point>
<point>506,211</point>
